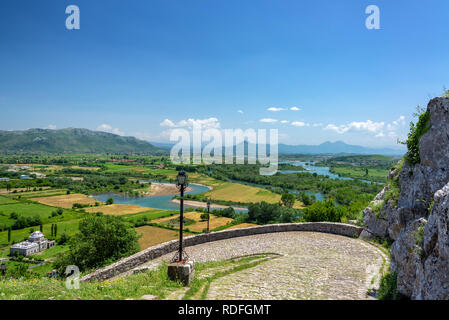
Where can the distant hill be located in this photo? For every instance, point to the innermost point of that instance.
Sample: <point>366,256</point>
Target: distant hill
<point>338,147</point>
<point>73,140</point>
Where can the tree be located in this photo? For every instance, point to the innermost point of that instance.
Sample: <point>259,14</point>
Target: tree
<point>323,211</point>
<point>9,234</point>
<point>109,201</point>
<point>55,230</point>
<point>40,227</point>
<point>101,240</point>
<point>288,200</point>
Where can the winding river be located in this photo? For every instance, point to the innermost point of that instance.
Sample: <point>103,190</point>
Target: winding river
<point>155,202</point>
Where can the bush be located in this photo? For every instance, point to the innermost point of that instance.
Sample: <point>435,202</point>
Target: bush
<point>64,238</point>
<point>323,211</point>
<point>288,200</point>
<point>388,287</point>
<point>109,201</point>
<point>101,240</point>
<point>416,132</point>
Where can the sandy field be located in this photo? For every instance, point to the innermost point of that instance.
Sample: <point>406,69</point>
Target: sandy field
<point>199,225</point>
<point>118,209</point>
<point>66,201</point>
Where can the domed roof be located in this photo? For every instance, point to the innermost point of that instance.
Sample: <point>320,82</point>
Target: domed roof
<point>36,235</point>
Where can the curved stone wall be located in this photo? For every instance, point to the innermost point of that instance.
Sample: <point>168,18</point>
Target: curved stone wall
<point>151,253</point>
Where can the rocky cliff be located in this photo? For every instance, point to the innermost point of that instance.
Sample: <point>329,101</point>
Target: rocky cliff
<point>413,211</point>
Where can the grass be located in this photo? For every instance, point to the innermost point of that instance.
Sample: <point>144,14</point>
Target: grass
<point>41,193</point>
<point>236,192</point>
<point>6,200</point>
<point>152,236</point>
<point>153,282</point>
<point>199,225</point>
<point>66,201</point>
<point>117,168</point>
<point>376,175</point>
<point>69,227</point>
<point>151,214</point>
<point>52,252</point>
<point>30,209</point>
<point>196,224</point>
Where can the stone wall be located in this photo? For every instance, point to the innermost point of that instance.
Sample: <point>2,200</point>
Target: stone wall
<point>171,246</point>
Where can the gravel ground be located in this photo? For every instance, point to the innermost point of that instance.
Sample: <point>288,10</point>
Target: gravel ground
<point>311,266</point>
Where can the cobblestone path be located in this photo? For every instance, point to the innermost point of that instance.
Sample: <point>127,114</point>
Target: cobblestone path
<point>311,266</point>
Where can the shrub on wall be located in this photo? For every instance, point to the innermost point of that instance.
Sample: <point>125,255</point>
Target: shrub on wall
<point>416,132</point>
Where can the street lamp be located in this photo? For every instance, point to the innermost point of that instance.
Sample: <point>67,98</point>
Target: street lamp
<point>182,184</point>
<point>208,215</point>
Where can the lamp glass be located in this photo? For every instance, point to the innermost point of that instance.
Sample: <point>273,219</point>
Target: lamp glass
<point>182,177</point>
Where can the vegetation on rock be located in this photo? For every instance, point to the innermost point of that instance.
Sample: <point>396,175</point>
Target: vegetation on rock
<point>416,132</point>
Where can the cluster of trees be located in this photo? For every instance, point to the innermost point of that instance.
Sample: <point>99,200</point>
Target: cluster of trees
<point>323,211</point>
<point>20,221</point>
<point>265,213</point>
<point>102,239</point>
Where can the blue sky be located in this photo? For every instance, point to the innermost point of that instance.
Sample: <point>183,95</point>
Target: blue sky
<point>141,68</point>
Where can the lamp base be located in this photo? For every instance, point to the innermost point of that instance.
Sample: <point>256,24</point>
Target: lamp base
<point>181,271</point>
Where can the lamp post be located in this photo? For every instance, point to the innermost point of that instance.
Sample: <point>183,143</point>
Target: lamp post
<point>181,269</point>
<point>208,215</point>
<point>182,184</point>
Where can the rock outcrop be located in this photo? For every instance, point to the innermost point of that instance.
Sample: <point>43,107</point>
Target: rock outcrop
<point>415,214</point>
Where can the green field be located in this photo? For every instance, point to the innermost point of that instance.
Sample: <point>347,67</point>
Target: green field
<point>36,194</point>
<point>70,227</point>
<point>6,200</point>
<point>374,174</point>
<point>30,209</point>
<point>117,168</point>
<point>228,191</point>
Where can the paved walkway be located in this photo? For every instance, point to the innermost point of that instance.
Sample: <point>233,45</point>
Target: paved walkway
<point>311,266</point>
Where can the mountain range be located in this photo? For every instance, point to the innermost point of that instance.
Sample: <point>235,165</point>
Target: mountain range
<point>75,140</point>
<point>338,147</point>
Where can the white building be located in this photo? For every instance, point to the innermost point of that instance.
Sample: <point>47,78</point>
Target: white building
<point>35,243</point>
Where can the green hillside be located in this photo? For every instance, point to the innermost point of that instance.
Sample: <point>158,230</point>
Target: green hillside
<point>73,141</point>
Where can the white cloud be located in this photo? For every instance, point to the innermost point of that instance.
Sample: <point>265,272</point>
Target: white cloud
<point>295,109</point>
<point>167,123</point>
<point>300,124</point>
<point>367,125</point>
<point>240,111</point>
<point>104,127</point>
<point>276,109</point>
<point>268,120</point>
<point>107,128</point>
<point>285,121</point>
<point>399,121</point>
<point>51,126</point>
<point>189,123</point>
<point>317,125</point>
